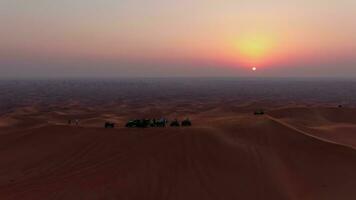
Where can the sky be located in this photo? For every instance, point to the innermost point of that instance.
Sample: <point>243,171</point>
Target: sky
<point>114,38</point>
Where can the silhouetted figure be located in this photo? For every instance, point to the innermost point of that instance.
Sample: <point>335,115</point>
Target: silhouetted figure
<point>259,112</point>
<point>175,123</point>
<point>109,125</point>
<point>186,122</point>
<point>153,123</point>
<point>161,123</point>
<point>69,122</point>
<point>77,122</point>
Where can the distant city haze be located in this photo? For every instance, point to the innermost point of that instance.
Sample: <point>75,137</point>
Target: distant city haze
<point>164,38</point>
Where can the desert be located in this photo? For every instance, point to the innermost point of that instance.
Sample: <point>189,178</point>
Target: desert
<point>296,150</point>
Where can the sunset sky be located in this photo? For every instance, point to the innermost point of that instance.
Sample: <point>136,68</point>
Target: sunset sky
<point>109,38</point>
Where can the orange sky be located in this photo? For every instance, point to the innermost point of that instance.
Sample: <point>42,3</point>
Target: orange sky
<point>167,37</point>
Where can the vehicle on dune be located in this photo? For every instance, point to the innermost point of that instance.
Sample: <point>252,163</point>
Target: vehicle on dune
<point>159,123</point>
<point>186,122</point>
<point>143,123</point>
<point>259,112</point>
<point>175,123</point>
<point>109,125</point>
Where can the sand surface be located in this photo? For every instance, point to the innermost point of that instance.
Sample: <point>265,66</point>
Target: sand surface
<point>290,153</point>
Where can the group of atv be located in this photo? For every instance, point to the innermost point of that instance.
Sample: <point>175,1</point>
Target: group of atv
<point>159,123</point>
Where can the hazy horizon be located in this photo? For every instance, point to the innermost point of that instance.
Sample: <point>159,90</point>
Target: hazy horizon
<point>157,38</point>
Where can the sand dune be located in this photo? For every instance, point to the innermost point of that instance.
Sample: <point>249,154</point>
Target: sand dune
<point>334,124</point>
<point>230,156</point>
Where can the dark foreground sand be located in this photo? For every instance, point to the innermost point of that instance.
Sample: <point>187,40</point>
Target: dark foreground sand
<point>291,153</point>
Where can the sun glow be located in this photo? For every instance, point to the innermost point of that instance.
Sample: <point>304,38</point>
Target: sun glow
<point>254,49</point>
